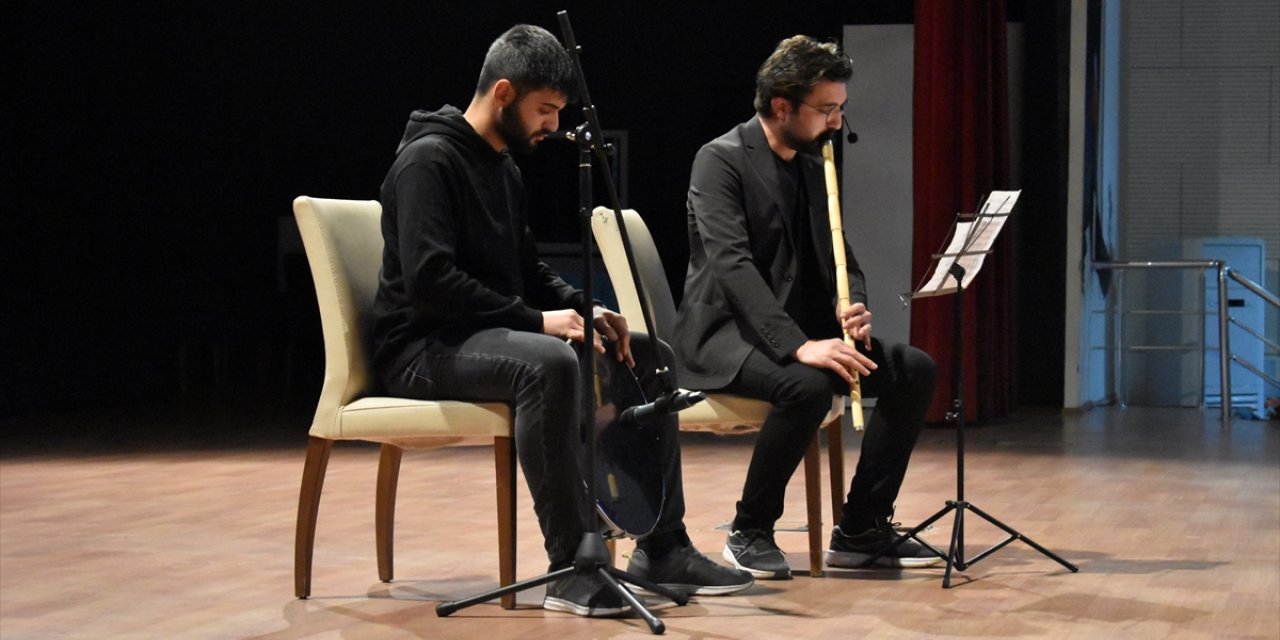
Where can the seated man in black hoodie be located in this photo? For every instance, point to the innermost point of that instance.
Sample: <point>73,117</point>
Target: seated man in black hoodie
<point>465,310</point>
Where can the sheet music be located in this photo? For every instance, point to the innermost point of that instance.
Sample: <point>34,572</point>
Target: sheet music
<point>969,244</point>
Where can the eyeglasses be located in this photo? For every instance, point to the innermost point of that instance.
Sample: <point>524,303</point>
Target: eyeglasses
<point>829,111</point>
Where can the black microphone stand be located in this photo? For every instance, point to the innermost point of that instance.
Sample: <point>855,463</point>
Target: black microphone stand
<point>593,555</point>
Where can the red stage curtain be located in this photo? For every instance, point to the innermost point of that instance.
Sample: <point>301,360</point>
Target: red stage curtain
<point>961,153</point>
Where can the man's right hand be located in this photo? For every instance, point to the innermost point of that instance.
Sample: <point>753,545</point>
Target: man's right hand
<point>835,355</point>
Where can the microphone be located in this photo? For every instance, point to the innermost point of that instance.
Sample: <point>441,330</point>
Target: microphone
<point>665,405</point>
<point>572,136</point>
<point>851,136</point>
<point>562,135</point>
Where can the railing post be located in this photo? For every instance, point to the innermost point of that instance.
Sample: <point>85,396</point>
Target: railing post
<point>1122,391</point>
<point>1224,346</point>
<point>1204,313</point>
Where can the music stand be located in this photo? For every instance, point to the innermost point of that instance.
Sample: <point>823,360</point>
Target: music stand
<point>971,238</point>
<point>592,555</point>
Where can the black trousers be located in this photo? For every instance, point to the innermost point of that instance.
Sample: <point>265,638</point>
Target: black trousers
<point>538,375</point>
<point>903,386</point>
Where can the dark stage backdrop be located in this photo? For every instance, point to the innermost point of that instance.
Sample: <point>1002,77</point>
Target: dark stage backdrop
<point>961,153</point>
<point>152,151</point>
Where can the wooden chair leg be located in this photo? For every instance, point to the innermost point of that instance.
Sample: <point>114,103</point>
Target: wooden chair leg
<point>385,509</point>
<point>835,455</point>
<point>504,461</point>
<point>308,508</point>
<point>813,502</point>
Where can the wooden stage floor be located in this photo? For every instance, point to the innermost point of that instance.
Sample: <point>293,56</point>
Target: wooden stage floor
<point>169,524</point>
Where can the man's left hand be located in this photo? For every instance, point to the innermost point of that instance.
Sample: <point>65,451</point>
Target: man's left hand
<point>613,327</point>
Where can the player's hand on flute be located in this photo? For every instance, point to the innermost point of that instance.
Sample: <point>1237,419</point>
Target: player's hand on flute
<point>856,321</point>
<point>835,355</point>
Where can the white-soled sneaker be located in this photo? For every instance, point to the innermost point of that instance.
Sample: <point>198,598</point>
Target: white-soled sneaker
<point>686,570</point>
<point>584,594</point>
<point>754,551</point>
<point>853,551</point>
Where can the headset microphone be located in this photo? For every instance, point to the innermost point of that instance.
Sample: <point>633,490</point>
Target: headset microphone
<point>851,136</point>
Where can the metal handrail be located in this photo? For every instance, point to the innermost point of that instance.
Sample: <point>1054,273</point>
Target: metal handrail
<point>1254,287</point>
<point>1267,298</point>
<point>1156,264</point>
<point>1224,359</point>
<point>1224,320</point>
<point>1254,332</point>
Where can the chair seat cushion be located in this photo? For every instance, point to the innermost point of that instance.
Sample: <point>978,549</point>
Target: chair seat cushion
<point>419,423</point>
<point>729,414</point>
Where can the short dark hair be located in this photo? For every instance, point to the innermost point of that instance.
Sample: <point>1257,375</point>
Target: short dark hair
<point>797,65</point>
<point>531,59</point>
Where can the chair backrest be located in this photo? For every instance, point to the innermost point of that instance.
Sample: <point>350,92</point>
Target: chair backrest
<point>721,412</point>
<point>662,305</point>
<point>343,240</point>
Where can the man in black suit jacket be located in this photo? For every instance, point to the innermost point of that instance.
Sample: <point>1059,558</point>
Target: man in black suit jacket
<point>759,318</point>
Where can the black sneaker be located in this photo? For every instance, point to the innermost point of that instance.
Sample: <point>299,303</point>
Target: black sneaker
<point>854,551</point>
<point>686,570</point>
<point>754,551</point>
<point>584,594</point>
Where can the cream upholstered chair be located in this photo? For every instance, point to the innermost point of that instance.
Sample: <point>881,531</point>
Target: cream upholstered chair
<point>721,413</point>
<point>343,241</point>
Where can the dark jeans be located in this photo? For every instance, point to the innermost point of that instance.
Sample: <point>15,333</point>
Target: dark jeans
<point>538,376</point>
<point>801,395</point>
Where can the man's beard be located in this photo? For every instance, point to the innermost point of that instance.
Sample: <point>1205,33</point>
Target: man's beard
<point>519,139</point>
<point>812,146</point>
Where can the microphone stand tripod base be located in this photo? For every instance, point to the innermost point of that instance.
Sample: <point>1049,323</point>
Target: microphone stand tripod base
<point>592,557</point>
<point>955,554</point>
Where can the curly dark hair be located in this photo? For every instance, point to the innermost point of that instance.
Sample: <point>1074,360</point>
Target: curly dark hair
<point>531,59</point>
<point>795,67</point>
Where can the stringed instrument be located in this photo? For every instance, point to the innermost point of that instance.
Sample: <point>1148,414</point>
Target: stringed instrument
<point>630,489</point>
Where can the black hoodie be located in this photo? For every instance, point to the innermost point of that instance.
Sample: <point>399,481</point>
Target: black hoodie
<point>458,253</point>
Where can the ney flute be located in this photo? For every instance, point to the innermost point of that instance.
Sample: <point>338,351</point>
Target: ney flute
<point>842,275</point>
